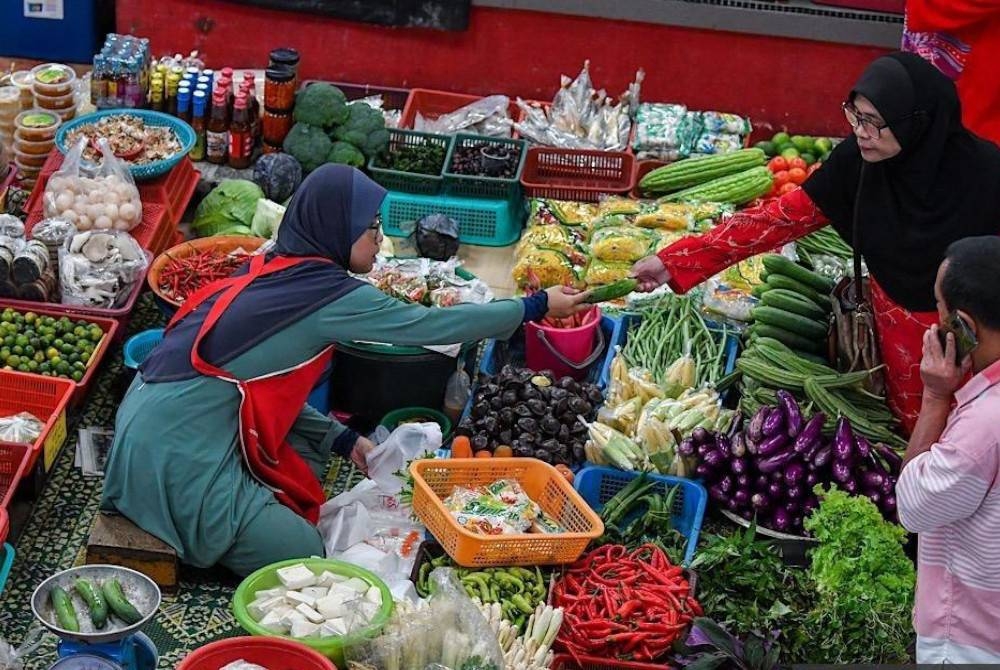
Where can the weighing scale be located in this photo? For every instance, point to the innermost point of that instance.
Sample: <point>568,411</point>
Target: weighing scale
<point>118,646</point>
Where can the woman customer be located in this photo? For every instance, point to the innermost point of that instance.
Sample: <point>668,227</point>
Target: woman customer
<point>917,180</point>
<point>216,452</point>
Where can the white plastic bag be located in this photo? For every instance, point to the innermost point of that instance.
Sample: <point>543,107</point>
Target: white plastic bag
<point>23,428</point>
<point>89,196</point>
<point>99,268</point>
<point>404,444</point>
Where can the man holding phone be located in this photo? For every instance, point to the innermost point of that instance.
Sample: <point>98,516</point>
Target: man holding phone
<point>949,489</point>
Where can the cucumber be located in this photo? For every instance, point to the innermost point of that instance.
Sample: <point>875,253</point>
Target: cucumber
<point>783,281</point>
<point>95,602</point>
<point>63,607</point>
<point>759,290</point>
<point>778,264</point>
<point>612,291</point>
<point>118,603</point>
<point>791,322</point>
<point>791,301</point>
<point>793,340</point>
<point>811,357</point>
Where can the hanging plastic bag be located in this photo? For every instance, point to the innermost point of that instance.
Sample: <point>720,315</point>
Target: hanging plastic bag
<point>89,196</point>
<point>99,268</point>
<point>22,428</point>
<point>436,237</point>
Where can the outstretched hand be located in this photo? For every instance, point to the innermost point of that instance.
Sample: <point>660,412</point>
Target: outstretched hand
<point>359,454</point>
<point>651,273</point>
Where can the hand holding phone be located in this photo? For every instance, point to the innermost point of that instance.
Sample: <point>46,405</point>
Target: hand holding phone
<point>965,339</point>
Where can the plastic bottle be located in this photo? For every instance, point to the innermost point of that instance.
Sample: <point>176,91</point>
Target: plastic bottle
<point>184,104</point>
<point>198,102</point>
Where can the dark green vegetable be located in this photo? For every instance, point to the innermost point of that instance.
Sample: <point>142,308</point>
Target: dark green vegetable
<point>426,158</point>
<point>612,291</point>
<point>118,603</point>
<point>95,601</point>
<point>63,608</point>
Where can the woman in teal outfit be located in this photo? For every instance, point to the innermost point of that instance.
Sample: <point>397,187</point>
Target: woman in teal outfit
<point>215,451</point>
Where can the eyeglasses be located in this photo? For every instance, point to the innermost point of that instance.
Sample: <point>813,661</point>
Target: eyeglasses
<point>376,222</point>
<point>856,118</point>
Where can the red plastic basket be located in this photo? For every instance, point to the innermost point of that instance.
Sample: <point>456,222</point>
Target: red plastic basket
<point>173,190</point>
<point>642,168</point>
<point>392,97</point>
<point>152,233</point>
<point>44,397</point>
<point>432,104</point>
<point>567,662</point>
<point>275,653</point>
<point>13,464</point>
<point>576,174</point>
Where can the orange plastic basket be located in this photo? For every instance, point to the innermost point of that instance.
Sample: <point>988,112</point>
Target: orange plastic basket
<point>45,398</point>
<point>435,479</point>
<point>222,243</point>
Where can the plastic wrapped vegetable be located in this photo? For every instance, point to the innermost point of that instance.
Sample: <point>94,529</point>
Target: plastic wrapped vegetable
<point>543,268</point>
<point>98,268</point>
<point>602,272</point>
<point>620,244</point>
<point>544,211</point>
<point>616,204</point>
<point>555,237</point>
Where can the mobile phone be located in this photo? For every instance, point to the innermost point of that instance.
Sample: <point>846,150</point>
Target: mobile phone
<point>965,339</point>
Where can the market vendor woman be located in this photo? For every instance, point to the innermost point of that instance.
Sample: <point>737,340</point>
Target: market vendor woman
<point>216,452</point>
<point>916,179</point>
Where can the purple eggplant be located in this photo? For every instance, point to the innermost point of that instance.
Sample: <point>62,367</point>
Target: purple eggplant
<point>811,452</point>
<point>793,415</point>
<point>774,423</point>
<point>796,526</point>
<point>823,456</point>
<point>843,441</point>
<point>888,485</point>
<point>700,435</point>
<point>841,471</point>
<point>811,480</point>
<point>889,503</point>
<point>741,497</point>
<point>714,459</point>
<point>851,486</point>
<point>810,433</point>
<point>781,519</point>
<point>794,473</point>
<point>686,447</point>
<point>773,445</point>
<point>774,463</point>
<point>731,505</point>
<point>891,458</point>
<point>738,466</point>
<point>743,481</point>
<point>702,471</point>
<point>726,483</point>
<point>737,446</point>
<point>809,504</point>
<point>751,445</point>
<point>872,481</point>
<point>704,448</point>
<point>875,497</point>
<point>717,493</point>
<point>746,514</point>
<point>776,477</point>
<point>760,484</point>
<point>755,429</point>
<point>794,492</point>
<point>760,501</point>
<point>724,445</point>
<point>862,446</point>
<point>776,490</point>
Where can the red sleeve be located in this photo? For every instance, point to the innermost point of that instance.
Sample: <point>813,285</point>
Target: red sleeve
<point>749,232</point>
<point>948,15</point>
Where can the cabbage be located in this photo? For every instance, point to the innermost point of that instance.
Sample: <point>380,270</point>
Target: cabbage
<point>229,205</point>
<point>267,218</point>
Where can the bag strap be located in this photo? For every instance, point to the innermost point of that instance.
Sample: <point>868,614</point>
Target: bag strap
<point>859,296</point>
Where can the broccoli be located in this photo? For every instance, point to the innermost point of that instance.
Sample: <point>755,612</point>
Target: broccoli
<point>308,145</point>
<point>364,128</point>
<point>346,153</point>
<point>321,105</point>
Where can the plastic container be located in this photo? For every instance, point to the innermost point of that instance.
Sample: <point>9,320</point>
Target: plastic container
<point>26,171</point>
<point>36,161</point>
<point>435,479</point>
<point>271,653</point>
<point>484,186</point>
<point>10,103</point>
<point>46,398</point>
<point>222,243</point>
<point>14,459</point>
<point>431,104</point>
<point>576,174</point>
<point>38,125</point>
<point>566,351</point>
<point>396,418</point>
<point>139,346</point>
<point>487,223</point>
<point>6,563</point>
<point>23,80</point>
<point>410,182</point>
<point>52,79</point>
<point>642,168</point>
<point>35,148</point>
<point>567,662</point>
<point>59,103</point>
<point>597,485</point>
<point>331,647</point>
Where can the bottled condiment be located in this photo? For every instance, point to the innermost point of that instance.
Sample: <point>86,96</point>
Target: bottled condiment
<point>227,72</point>
<point>286,57</point>
<point>240,138</point>
<point>254,108</point>
<point>279,89</point>
<point>217,131</point>
<point>198,124</point>
<point>276,126</point>
<point>156,101</point>
<point>184,105</point>
<point>173,81</point>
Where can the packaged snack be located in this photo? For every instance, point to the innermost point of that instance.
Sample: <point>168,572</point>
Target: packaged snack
<point>542,268</point>
<point>555,237</point>
<point>620,243</point>
<point>604,272</point>
<point>717,143</point>
<point>721,122</point>
<point>498,509</point>
<point>616,204</point>
<point>543,211</point>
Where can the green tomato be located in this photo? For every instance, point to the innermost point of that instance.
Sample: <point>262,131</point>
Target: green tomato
<point>781,138</point>
<point>823,145</point>
<point>790,153</point>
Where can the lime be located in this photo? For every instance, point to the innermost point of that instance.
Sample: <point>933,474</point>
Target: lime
<point>808,158</point>
<point>790,153</point>
<point>44,367</point>
<point>781,138</point>
<point>40,356</point>
<point>32,365</point>
<point>77,375</point>
<point>52,353</point>
<point>13,361</point>
<point>803,143</point>
<point>17,350</point>
<point>67,349</point>
<point>768,148</point>
<point>96,334</point>
<point>823,145</point>
<point>62,368</point>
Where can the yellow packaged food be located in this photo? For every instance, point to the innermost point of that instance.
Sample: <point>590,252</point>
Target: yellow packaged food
<point>543,212</point>
<point>620,243</point>
<point>616,204</point>
<point>542,268</point>
<point>745,274</point>
<point>664,238</point>
<point>603,272</point>
<point>666,215</point>
<point>545,237</point>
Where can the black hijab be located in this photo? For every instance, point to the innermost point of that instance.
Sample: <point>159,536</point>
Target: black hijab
<point>943,186</point>
<point>333,207</point>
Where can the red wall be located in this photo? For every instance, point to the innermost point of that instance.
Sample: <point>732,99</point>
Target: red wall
<point>776,81</point>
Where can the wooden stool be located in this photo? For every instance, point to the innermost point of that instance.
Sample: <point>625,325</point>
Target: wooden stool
<point>117,541</point>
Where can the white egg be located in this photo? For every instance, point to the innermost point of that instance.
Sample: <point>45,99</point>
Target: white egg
<point>122,225</point>
<point>113,197</point>
<point>70,215</point>
<point>59,184</point>
<point>83,223</point>
<point>102,223</point>
<point>94,211</point>
<point>111,211</point>
<point>64,201</point>
<point>128,212</point>
<point>94,196</point>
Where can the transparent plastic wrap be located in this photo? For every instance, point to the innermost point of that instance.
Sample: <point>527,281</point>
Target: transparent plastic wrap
<point>11,226</point>
<point>436,237</point>
<point>543,268</point>
<point>666,131</point>
<point>427,282</point>
<point>488,116</point>
<point>102,197</point>
<point>557,237</point>
<point>709,143</point>
<point>623,244</point>
<point>99,268</point>
<point>22,428</point>
<point>605,272</point>
<point>500,508</point>
<point>449,632</point>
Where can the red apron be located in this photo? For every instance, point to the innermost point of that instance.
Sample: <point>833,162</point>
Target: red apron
<point>270,403</point>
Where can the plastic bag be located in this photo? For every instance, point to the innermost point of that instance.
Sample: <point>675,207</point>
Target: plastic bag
<point>11,226</point>
<point>542,268</point>
<point>543,211</point>
<point>53,232</point>
<point>98,268</point>
<point>436,237</point>
<point>620,243</point>
<point>103,197</point>
<point>622,417</point>
<point>604,272</point>
<point>488,116</point>
<point>22,428</point>
<point>449,632</point>
<point>717,143</point>
<point>497,509</point>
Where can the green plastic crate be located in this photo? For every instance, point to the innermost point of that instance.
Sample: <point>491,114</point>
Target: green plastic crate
<point>410,182</point>
<point>483,186</point>
<point>487,223</point>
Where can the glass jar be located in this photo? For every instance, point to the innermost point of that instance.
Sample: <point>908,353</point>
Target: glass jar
<point>279,89</point>
<point>276,126</point>
<point>285,57</point>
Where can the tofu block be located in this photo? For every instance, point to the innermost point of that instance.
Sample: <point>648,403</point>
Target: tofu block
<point>315,592</point>
<point>304,629</point>
<point>278,591</point>
<point>328,579</point>
<point>290,616</point>
<point>258,608</point>
<point>374,595</point>
<point>272,622</point>
<point>367,611</point>
<point>331,607</point>
<point>310,613</point>
<point>296,598</point>
<point>295,577</point>
<point>358,584</point>
<point>333,627</point>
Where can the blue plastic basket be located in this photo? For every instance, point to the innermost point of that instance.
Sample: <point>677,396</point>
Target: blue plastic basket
<point>5,566</point>
<point>483,222</point>
<point>138,347</point>
<point>597,485</point>
<point>185,134</point>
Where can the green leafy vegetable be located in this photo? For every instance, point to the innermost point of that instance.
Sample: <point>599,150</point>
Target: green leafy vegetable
<point>267,218</point>
<point>230,205</point>
<point>364,128</point>
<point>321,105</point>
<point>309,145</point>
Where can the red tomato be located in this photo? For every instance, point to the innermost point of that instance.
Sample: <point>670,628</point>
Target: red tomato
<point>797,175</point>
<point>777,164</point>
<point>787,188</point>
<point>781,178</point>
<point>796,163</point>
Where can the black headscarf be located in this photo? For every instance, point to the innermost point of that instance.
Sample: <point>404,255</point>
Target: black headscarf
<point>334,206</point>
<point>943,186</point>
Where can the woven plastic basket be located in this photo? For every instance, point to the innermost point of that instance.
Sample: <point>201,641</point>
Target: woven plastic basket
<point>409,182</point>
<point>483,186</point>
<point>576,174</point>
<point>488,223</point>
<point>46,398</point>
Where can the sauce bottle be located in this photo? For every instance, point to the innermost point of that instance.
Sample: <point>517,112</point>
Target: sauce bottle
<point>217,131</point>
<point>240,139</point>
<point>255,119</point>
<point>198,124</point>
<point>184,104</point>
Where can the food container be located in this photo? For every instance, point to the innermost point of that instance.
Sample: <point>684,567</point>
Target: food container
<point>23,80</point>
<point>56,103</point>
<point>266,651</point>
<point>65,114</point>
<point>52,79</point>
<point>26,171</point>
<point>29,160</point>
<point>29,147</point>
<point>10,103</point>
<point>38,125</point>
<point>279,89</point>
